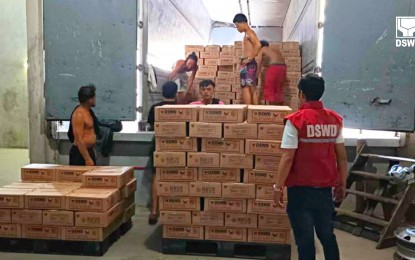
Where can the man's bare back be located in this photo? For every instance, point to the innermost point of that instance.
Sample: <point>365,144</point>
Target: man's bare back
<point>275,56</point>
<point>83,127</point>
<point>248,44</point>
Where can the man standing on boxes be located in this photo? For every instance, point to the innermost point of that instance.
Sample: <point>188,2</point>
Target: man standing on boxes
<point>248,66</point>
<point>313,162</point>
<point>207,91</point>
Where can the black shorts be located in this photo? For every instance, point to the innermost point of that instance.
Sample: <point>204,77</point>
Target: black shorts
<point>76,158</point>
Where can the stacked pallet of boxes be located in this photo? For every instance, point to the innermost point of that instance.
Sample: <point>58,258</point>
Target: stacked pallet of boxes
<point>76,203</point>
<point>215,174</point>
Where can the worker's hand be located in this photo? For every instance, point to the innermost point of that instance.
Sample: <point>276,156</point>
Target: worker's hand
<point>278,199</point>
<point>89,162</point>
<point>339,193</point>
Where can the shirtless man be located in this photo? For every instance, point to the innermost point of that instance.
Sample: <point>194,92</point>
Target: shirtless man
<point>274,76</point>
<point>207,91</point>
<point>82,126</point>
<point>251,47</point>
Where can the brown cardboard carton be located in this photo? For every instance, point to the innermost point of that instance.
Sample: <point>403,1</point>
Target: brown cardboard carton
<point>238,161</point>
<point>219,175</point>
<point>5,216</point>
<point>263,147</point>
<point>38,172</point>
<point>209,55</point>
<point>12,198</point>
<point>129,213</point>
<point>267,163</point>
<point>236,88</point>
<point>291,53</point>
<point>292,60</point>
<point>204,130</point>
<point>26,216</point>
<point>293,75</point>
<point>239,96</point>
<point>223,145</point>
<point>224,95</point>
<point>225,74</point>
<point>176,174</point>
<point>290,45</point>
<point>205,189</point>
<point>46,199</point>
<point>293,67</point>
<point>92,200</point>
<point>108,177</point>
<point>126,203</point>
<point>183,232</point>
<point>207,160</point>
<point>267,114</point>
<point>96,219</point>
<point>194,48</point>
<point>27,185</point>
<point>177,113</point>
<point>236,101</point>
<point>208,68</point>
<point>179,203</point>
<point>264,192</point>
<point>176,144</point>
<point>172,189</point>
<point>226,61</point>
<point>175,218</point>
<point>223,88</point>
<point>225,80</point>
<point>230,48</point>
<point>211,62</point>
<point>58,218</point>
<point>89,233</point>
<point>227,55</point>
<point>226,234</point>
<point>238,190</point>
<point>238,54</point>
<point>226,101</point>
<point>129,189</point>
<point>170,129</point>
<point>169,159</point>
<point>241,220</point>
<point>270,132</point>
<point>276,46</point>
<point>277,221</point>
<point>225,205</point>
<point>242,131</point>
<point>257,176</point>
<point>40,232</point>
<point>228,68</point>
<point>238,44</point>
<point>222,113</point>
<point>71,173</point>
<point>269,236</point>
<point>10,230</point>
<point>263,207</point>
<point>205,74</point>
<point>215,48</point>
<point>206,218</point>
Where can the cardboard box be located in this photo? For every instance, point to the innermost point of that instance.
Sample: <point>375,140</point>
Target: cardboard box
<point>292,60</point>
<point>267,114</point>
<point>293,67</point>
<point>241,220</point>
<point>225,205</point>
<point>239,96</point>
<point>205,74</point>
<point>10,230</point>
<point>267,163</point>
<point>290,45</point>
<point>207,160</point>
<point>225,74</point>
<point>263,147</point>
<point>206,218</point>
<point>237,102</point>
<point>224,95</point>
<point>227,68</point>
<point>179,203</point>
<point>238,54</point>
<point>194,48</point>
<point>203,130</point>
<point>40,232</point>
<point>226,61</point>
<point>230,48</point>
<point>38,172</point>
<point>238,190</point>
<point>205,189</point>
<point>26,216</point>
<point>175,218</point>
<point>238,44</point>
<point>108,177</point>
<point>89,233</point>
<point>291,53</point>
<point>178,113</point>
<point>176,174</point>
<point>269,236</point>
<point>239,161</point>
<point>26,185</point>
<point>236,88</point>
<point>126,203</point>
<point>208,68</point>
<point>237,234</point>
<point>209,55</point>
<point>223,145</point>
<point>170,129</point>
<point>242,131</point>
<point>277,221</point>
<point>213,48</point>
<point>96,219</point>
<point>58,218</point>
<point>276,46</point>
<point>129,189</point>
<point>12,198</point>
<point>92,200</point>
<point>172,189</point>
<point>45,199</point>
<point>226,101</point>
<point>225,80</point>
<point>223,88</point>
<point>293,75</point>
<point>5,216</point>
<point>183,232</point>
<point>129,213</point>
<point>227,55</point>
<point>264,192</point>
<point>176,144</point>
<point>211,62</point>
<point>270,132</point>
<point>219,175</point>
<point>71,173</point>
<point>263,207</point>
<point>257,176</point>
<point>222,113</point>
<point>169,159</point>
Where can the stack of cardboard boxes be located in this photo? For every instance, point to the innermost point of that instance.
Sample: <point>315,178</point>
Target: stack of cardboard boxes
<point>67,202</point>
<point>215,166</point>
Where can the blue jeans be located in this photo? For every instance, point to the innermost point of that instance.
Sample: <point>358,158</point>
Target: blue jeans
<point>312,208</point>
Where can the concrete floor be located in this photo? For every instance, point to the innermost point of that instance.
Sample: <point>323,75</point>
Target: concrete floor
<point>144,241</point>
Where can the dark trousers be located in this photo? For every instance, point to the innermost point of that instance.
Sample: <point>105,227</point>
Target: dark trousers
<point>308,209</point>
<point>76,158</point>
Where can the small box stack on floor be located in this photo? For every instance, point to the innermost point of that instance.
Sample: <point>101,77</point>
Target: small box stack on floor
<point>75,203</point>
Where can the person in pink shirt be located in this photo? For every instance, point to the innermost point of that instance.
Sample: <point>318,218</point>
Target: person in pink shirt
<point>207,91</point>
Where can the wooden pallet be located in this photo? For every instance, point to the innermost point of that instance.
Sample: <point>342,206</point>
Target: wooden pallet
<point>62,247</point>
<point>227,249</point>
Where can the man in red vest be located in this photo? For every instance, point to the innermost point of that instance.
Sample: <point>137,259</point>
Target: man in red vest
<point>313,162</point>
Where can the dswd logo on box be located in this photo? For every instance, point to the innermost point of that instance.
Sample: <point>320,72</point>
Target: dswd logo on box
<point>405,31</point>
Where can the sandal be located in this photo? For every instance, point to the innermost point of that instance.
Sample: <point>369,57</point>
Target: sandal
<point>152,219</point>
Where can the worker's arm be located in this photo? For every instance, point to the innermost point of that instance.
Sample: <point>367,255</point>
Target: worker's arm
<point>175,71</point>
<point>192,78</point>
<point>78,131</point>
<point>255,43</point>
<point>259,62</point>
<point>340,190</point>
<point>285,166</point>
